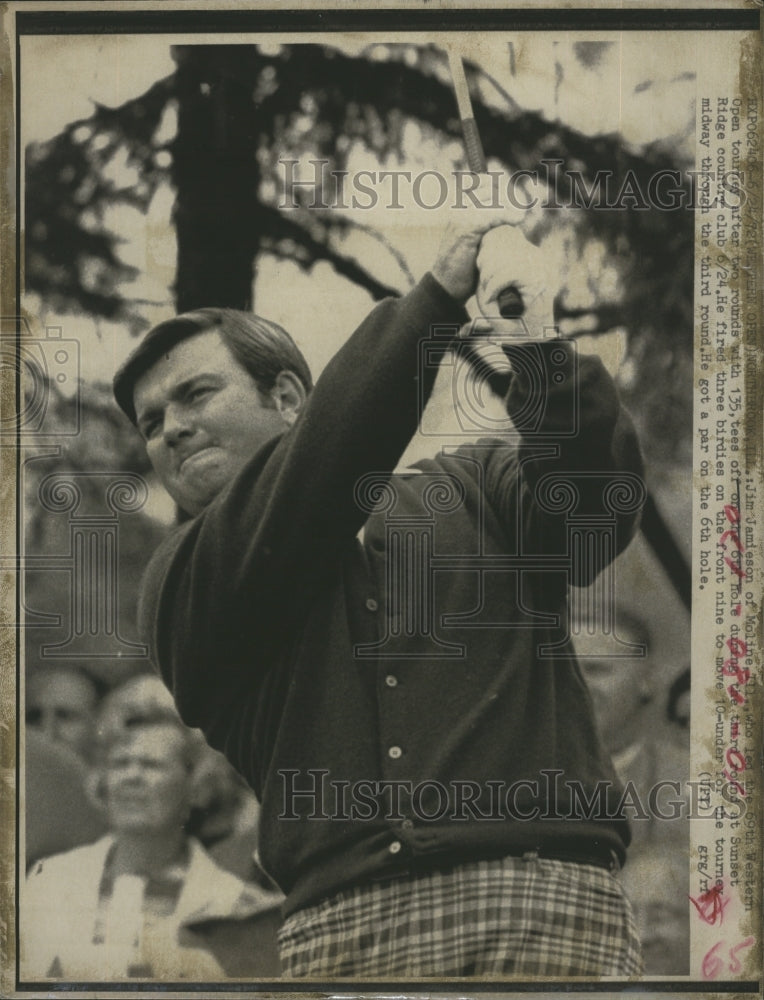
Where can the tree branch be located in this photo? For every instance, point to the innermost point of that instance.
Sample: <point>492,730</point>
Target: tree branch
<point>279,228</point>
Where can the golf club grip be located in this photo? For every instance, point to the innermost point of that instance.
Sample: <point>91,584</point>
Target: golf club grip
<point>473,146</point>
<point>510,303</point>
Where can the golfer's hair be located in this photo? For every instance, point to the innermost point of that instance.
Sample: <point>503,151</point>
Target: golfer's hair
<point>264,349</point>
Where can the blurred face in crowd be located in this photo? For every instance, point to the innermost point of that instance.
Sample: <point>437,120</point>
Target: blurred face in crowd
<point>620,686</point>
<point>148,780</point>
<point>60,703</point>
<point>203,417</point>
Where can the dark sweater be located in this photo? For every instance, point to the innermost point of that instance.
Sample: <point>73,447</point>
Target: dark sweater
<point>263,614</point>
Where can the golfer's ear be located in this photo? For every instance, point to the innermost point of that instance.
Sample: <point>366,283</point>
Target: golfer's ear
<point>289,395</point>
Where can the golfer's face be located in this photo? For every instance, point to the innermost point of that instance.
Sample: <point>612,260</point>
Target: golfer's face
<point>202,418</point>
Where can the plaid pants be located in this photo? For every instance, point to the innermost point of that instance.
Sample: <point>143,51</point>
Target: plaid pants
<point>509,917</point>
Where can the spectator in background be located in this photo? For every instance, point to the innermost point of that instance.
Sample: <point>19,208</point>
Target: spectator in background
<point>58,812</point>
<point>224,813</point>
<point>645,750</point>
<point>61,701</point>
<point>145,901</point>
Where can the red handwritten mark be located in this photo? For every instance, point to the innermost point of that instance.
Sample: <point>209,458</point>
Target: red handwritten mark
<point>731,533</point>
<point>731,668</point>
<point>735,758</point>
<point>733,516</point>
<point>734,567</point>
<point>732,513</point>
<point>737,646</point>
<point>733,692</point>
<point>734,784</point>
<point>710,904</point>
<point>736,610</point>
<point>713,964</point>
<point>736,761</point>
<point>734,965</point>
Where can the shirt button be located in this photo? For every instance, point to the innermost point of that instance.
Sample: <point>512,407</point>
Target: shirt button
<point>394,847</point>
<point>391,680</point>
<point>372,604</point>
<point>395,753</point>
<point>407,824</point>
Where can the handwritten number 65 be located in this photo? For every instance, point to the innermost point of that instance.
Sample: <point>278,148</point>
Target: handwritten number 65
<point>713,963</point>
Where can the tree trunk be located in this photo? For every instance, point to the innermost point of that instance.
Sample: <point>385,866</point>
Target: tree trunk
<point>215,173</point>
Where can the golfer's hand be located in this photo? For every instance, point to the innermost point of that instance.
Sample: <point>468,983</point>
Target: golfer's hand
<point>507,259</point>
<point>456,262</point>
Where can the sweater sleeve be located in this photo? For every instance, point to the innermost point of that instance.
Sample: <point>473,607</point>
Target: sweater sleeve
<point>578,458</point>
<point>227,590</point>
